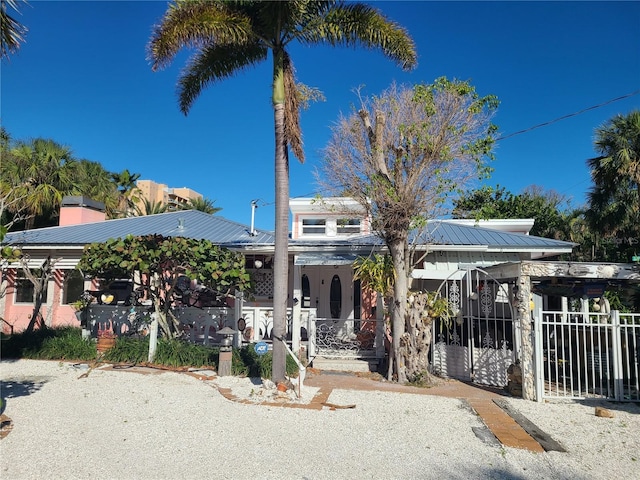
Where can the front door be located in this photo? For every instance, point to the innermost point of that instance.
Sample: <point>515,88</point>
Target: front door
<point>330,290</point>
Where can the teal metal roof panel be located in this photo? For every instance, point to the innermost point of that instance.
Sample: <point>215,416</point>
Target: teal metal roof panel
<point>183,223</point>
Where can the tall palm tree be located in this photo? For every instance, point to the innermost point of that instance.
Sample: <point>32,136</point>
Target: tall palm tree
<point>614,200</point>
<point>231,36</point>
<point>201,204</point>
<point>12,32</point>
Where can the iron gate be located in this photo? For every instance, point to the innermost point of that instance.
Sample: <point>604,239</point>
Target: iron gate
<point>478,343</point>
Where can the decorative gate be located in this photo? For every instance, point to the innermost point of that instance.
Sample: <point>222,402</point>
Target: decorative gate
<point>478,343</point>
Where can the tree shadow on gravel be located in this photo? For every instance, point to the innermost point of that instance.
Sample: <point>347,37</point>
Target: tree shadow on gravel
<point>14,389</point>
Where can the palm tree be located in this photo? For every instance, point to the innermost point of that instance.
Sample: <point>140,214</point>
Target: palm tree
<point>93,181</point>
<point>128,191</point>
<point>201,204</point>
<point>41,172</point>
<point>12,32</point>
<point>614,200</point>
<point>149,208</point>
<point>231,36</point>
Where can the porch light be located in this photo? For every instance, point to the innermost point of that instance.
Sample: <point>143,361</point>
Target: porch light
<point>257,263</point>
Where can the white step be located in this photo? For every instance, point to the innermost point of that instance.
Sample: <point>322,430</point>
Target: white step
<point>346,364</point>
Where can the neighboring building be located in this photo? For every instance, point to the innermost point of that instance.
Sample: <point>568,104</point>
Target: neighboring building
<point>170,196</point>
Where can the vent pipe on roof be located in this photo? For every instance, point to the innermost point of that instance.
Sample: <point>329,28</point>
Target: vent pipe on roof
<point>254,205</point>
<point>180,223</point>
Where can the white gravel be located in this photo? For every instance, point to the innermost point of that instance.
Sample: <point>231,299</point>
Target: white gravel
<point>125,425</point>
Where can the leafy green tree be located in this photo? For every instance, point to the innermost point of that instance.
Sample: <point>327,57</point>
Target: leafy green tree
<point>614,200</point>
<point>554,217</point>
<point>12,32</point>
<point>549,209</point>
<point>155,263</point>
<point>205,205</point>
<point>231,36</point>
<point>400,156</point>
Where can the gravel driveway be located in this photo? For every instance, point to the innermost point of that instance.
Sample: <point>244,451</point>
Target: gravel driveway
<point>124,425</point>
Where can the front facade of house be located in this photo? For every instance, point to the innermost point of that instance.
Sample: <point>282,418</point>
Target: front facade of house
<point>331,317</point>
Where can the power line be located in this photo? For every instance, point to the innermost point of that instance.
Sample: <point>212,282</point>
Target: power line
<point>569,115</point>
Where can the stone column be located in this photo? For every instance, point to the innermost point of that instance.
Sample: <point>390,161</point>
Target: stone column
<point>523,312</point>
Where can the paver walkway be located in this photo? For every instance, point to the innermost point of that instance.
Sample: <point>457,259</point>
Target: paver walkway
<point>481,399</point>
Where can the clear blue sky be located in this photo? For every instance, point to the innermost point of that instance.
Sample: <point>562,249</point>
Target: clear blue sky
<point>82,80</point>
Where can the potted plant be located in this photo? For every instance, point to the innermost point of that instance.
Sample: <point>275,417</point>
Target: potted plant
<point>106,339</point>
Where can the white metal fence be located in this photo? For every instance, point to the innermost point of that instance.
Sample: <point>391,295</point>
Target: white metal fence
<point>587,355</point>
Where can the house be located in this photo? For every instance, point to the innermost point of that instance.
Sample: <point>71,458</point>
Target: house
<point>487,270</point>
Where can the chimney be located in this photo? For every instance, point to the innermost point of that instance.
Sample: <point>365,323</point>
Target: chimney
<point>75,210</point>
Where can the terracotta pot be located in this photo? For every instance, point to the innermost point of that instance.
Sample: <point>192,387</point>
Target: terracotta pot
<point>282,387</point>
<point>105,343</point>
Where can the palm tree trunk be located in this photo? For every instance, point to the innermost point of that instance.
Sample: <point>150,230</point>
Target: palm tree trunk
<point>281,252</point>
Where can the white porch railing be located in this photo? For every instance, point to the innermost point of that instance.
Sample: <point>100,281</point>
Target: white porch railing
<point>346,338</point>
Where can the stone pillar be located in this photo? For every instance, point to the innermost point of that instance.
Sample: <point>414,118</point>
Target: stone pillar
<point>523,312</point>
<point>224,367</point>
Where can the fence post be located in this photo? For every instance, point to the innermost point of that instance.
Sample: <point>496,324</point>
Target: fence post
<point>312,335</point>
<point>538,352</point>
<point>616,356</point>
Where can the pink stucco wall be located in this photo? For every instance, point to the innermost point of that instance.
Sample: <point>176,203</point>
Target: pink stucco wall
<point>18,315</point>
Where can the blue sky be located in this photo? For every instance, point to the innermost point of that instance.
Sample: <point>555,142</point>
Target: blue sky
<point>82,79</point>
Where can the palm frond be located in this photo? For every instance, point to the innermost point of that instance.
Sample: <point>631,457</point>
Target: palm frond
<point>196,24</point>
<point>361,25</point>
<point>215,63</point>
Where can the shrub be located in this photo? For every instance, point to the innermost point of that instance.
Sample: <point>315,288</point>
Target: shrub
<point>66,343</point>
<point>62,343</point>
<point>261,365</point>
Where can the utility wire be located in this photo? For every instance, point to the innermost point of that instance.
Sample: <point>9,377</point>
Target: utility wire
<point>520,132</point>
<point>569,115</point>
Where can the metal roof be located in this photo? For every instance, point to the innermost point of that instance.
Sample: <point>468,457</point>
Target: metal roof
<point>200,225</point>
<point>183,223</point>
<point>442,232</point>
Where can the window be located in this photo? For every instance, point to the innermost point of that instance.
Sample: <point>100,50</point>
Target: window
<point>73,287</point>
<point>313,226</point>
<point>25,292</point>
<point>348,226</point>
<point>306,292</point>
<point>335,297</point>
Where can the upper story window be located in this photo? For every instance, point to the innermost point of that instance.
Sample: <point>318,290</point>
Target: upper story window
<point>314,226</point>
<point>348,226</point>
